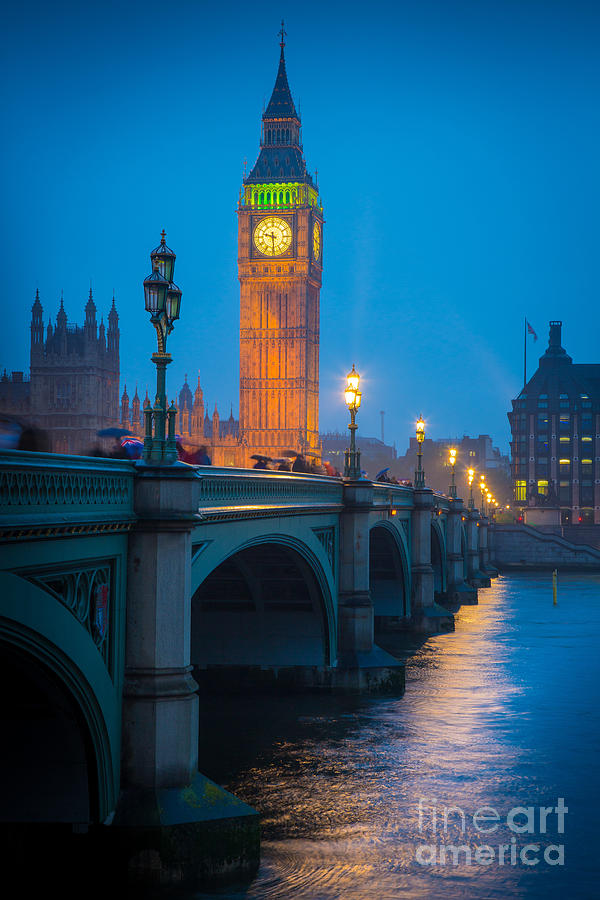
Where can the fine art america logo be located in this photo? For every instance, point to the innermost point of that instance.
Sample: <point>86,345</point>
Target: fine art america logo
<point>486,837</point>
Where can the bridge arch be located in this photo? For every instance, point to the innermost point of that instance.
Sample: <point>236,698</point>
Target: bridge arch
<point>267,603</point>
<point>65,699</point>
<point>438,557</point>
<point>388,574</point>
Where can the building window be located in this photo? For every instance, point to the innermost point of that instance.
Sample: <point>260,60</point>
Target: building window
<point>564,401</point>
<point>565,466</point>
<point>520,490</point>
<point>586,439</point>
<point>586,421</point>
<point>542,421</point>
<point>564,493</point>
<point>542,486</point>
<point>543,401</point>
<point>586,467</point>
<point>564,423</point>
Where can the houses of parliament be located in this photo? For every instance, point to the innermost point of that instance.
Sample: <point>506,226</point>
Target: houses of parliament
<point>73,388</point>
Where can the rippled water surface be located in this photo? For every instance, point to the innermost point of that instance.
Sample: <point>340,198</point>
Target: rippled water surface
<point>502,713</point>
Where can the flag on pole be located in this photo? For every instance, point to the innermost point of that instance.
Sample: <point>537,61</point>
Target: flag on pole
<point>531,331</point>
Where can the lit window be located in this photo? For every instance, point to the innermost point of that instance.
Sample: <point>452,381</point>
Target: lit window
<point>520,491</point>
<point>542,486</point>
<point>586,439</point>
<point>564,440</point>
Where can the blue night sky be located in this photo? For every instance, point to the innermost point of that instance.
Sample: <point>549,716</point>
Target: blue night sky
<point>457,146</point>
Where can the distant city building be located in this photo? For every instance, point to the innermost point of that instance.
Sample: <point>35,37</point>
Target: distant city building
<point>478,453</point>
<point>555,425</point>
<point>73,388</point>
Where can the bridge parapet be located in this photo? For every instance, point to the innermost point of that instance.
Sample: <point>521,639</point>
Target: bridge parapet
<point>49,495</point>
<point>234,493</point>
<point>392,496</point>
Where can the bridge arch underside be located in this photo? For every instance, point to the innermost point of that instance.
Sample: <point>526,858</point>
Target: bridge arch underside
<point>262,607</point>
<point>438,560</point>
<point>48,770</point>
<point>387,578</point>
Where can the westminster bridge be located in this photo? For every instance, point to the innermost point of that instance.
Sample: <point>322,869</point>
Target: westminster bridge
<point>123,584</point>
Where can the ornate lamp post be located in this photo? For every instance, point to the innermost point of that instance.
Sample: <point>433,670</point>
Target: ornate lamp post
<point>163,301</point>
<point>452,461</point>
<point>471,474</point>
<point>420,474</point>
<point>482,490</point>
<point>353,397</point>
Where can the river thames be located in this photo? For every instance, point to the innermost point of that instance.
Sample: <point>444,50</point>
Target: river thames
<point>480,782</point>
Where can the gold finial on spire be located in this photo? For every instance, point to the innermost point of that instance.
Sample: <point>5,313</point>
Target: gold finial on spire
<point>163,235</point>
<point>283,33</point>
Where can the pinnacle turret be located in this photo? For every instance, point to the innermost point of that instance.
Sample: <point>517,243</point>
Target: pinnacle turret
<point>280,158</point>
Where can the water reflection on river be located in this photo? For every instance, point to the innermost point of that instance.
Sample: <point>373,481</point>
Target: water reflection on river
<point>501,713</point>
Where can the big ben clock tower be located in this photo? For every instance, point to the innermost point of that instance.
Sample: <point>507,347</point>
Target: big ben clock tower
<point>280,262</point>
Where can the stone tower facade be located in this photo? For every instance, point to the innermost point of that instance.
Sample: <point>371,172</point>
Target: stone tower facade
<point>280,264</point>
<point>74,381</point>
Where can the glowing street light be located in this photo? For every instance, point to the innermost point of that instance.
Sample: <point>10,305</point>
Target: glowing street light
<point>420,474</point>
<point>452,460</point>
<point>471,474</point>
<point>353,398</point>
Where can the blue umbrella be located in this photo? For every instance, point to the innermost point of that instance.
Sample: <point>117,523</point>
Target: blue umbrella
<point>383,471</point>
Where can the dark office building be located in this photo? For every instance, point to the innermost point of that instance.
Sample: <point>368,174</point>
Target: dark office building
<point>555,425</point>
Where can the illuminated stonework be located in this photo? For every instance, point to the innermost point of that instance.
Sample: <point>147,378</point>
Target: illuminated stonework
<point>280,260</point>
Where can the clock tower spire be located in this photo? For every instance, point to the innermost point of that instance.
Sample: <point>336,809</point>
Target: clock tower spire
<point>280,263</point>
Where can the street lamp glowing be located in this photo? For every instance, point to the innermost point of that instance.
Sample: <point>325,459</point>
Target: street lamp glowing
<point>471,474</point>
<point>420,474</point>
<point>352,397</point>
<point>452,461</point>
<point>352,380</point>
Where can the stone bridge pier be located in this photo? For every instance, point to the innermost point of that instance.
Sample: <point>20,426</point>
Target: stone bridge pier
<point>361,663</point>
<point>426,614</point>
<point>168,814</point>
<point>458,591</point>
<point>477,578</point>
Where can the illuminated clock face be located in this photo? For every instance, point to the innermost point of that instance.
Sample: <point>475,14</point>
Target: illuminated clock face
<point>316,240</point>
<point>272,236</point>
